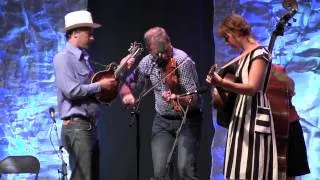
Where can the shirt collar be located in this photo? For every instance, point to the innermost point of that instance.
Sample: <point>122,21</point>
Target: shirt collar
<point>80,54</point>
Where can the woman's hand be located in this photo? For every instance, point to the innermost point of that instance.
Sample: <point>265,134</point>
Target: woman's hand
<point>215,79</point>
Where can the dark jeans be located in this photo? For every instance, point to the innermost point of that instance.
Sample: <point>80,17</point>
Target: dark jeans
<point>163,135</point>
<point>80,140</point>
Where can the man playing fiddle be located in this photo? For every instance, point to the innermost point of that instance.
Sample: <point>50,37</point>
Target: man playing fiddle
<point>171,72</point>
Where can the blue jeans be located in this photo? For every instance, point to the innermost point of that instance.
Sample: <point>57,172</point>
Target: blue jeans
<point>163,136</point>
<point>79,138</point>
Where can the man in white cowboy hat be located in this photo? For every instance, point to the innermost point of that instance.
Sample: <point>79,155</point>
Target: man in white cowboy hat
<point>77,105</point>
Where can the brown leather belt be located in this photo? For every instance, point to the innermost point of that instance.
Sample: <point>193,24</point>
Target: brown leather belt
<point>68,120</point>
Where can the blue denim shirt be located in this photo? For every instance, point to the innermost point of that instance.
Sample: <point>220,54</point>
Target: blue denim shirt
<point>74,91</point>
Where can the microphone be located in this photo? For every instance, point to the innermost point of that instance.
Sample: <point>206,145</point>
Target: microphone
<point>52,114</point>
<point>160,48</point>
<point>197,91</point>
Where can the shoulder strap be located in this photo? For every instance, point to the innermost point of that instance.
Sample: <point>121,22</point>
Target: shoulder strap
<point>266,81</point>
<point>234,60</point>
<point>245,53</point>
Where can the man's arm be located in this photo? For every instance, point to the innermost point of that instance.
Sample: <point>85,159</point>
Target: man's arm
<point>68,83</point>
<point>189,81</point>
<point>126,89</point>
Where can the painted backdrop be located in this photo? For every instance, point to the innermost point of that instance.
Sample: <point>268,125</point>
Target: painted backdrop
<point>30,34</point>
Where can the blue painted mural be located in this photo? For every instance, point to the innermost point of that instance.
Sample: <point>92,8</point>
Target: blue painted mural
<point>30,34</point>
<point>298,50</point>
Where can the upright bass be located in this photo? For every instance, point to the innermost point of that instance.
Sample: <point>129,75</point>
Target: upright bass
<point>278,95</point>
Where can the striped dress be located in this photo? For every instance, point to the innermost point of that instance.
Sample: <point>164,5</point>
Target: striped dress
<point>251,147</point>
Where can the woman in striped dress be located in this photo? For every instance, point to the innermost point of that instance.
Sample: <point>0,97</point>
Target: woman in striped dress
<point>251,148</point>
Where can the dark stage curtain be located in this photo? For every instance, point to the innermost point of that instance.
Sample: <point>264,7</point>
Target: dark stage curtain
<point>189,24</point>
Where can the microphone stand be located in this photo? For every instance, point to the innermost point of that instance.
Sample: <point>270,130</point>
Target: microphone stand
<point>169,164</point>
<point>63,171</point>
<point>135,118</point>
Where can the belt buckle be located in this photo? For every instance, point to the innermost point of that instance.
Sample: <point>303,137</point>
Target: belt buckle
<point>66,121</point>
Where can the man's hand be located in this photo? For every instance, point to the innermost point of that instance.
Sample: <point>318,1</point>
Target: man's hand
<point>108,83</point>
<point>128,61</point>
<point>128,99</point>
<point>167,96</point>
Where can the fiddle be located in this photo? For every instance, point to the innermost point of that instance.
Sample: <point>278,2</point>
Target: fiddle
<point>171,80</point>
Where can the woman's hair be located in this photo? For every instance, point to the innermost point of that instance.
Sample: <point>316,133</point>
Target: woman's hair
<point>234,24</point>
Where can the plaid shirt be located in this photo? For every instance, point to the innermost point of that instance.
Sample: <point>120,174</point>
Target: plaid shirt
<point>147,70</point>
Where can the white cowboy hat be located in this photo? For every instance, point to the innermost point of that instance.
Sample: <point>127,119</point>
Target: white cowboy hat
<point>77,19</point>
